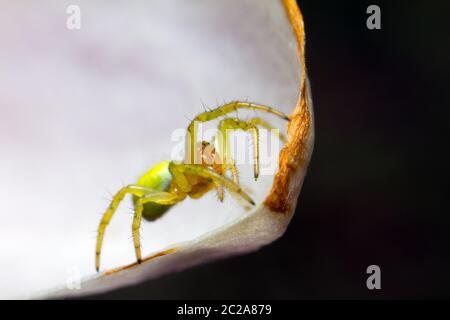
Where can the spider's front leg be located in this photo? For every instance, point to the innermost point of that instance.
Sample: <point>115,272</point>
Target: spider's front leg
<point>219,112</point>
<point>248,125</point>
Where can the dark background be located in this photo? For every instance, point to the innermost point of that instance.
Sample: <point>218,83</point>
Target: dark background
<point>377,183</point>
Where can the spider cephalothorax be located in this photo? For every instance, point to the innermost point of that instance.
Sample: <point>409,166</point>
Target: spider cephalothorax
<point>204,169</point>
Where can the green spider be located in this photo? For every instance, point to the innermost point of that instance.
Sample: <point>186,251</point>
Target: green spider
<point>170,182</point>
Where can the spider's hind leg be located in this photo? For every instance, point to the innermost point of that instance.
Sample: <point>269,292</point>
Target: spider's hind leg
<point>159,197</point>
<point>106,218</point>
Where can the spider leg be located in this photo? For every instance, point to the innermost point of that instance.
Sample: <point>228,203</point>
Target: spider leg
<point>266,125</point>
<point>130,189</point>
<point>247,125</point>
<point>159,197</point>
<point>227,162</point>
<point>236,124</point>
<point>201,171</point>
<point>220,111</point>
<point>231,165</point>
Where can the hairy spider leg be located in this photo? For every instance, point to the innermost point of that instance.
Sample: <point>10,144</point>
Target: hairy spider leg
<point>160,197</point>
<point>235,124</point>
<point>231,165</point>
<point>130,189</point>
<point>266,125</point>
<point>222,110</point>
<point>245,125</point>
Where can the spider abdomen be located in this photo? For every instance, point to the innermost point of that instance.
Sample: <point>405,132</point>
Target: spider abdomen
<point>160,179</point>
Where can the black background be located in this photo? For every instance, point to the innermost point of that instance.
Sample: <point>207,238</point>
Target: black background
<point>377,183</point>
